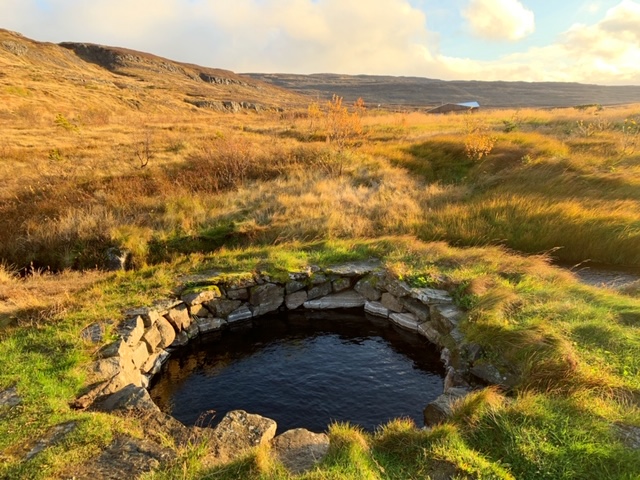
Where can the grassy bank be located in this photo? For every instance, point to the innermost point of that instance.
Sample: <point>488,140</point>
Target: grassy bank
<point>575,348</point>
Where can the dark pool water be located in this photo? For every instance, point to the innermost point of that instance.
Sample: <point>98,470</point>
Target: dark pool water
<point>304,370</point>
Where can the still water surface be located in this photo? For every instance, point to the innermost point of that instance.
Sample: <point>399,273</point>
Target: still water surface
<point>304,370</point>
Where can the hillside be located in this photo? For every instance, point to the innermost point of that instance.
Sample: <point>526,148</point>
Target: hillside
<point>82,75</point>
<point>415,91</point>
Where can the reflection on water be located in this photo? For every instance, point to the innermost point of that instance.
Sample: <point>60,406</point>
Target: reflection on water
<point>304,371</point>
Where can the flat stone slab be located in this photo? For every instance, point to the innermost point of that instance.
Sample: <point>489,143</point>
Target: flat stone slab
<point>431,296</point>
<point>405,320</point>
<point>348,299</point>
<point>242,313</point>
<point>377,309</point>
<point>300,450</point>
<point>353,269</point>
<point>210,324</point>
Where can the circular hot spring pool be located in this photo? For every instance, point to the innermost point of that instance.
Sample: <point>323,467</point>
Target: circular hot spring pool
<point>303,370</point>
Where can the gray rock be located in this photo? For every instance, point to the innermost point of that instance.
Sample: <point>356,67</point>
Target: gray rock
<point>266,298</point>
<point>131,330</point>
<point>391,302</point>
<point>377,309</point>
<point>317,278</point>
<point>419,309</point>
<point>198,298</point>
<point>267,293</point>
<point>397,288</point>
<point>181,340</point>
<point>348,299</point>
<point>115,349</point>
<point>405,320</point>
<point>210,324</point>
<point>222,308</point>
<point>341,284</point>
<point>454,380</point>
<point>93,333</point>
<point>319,290</point>
<point>242,313</point>
<point>441,408</point>
<point>148,314</point>
<point>150,318</point>
<point>300,450</point>
<point>446,317</point>
<point>457,336</point>
<point>238,432</point>
<point>126,458</point>
<point>353,269</point>
<point>238,294</point>
<point>163,306</point>
<point>427,329</point>
<point>152,338</point>
<point>193,330</point>
<point>295,286</point>
<point>116,259</point>
<point>127,399</point>
<point>199,311</point>
<point>105,369</point>
<point>472,352</point>
<point>140,354</point>
<point>296,299</point>
<point>491,375</point>
<point>154,363</point>
<point>10,398</point>
<point>367,288</point>
<point>431,296</point>
<point>179,317</point>
<point>167,332</point>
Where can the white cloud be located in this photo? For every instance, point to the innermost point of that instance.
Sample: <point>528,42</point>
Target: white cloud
<point>499,19</point>
<point>607,52</point>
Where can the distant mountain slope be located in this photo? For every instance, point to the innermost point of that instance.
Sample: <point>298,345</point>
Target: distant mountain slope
<point>415,91</point>
<point>81,75</point>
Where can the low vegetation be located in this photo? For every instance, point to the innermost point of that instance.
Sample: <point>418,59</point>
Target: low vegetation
<point>484,202</point>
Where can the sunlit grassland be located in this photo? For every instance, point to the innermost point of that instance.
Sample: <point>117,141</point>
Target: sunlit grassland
<point>266,193</point>
<point>550,184</point>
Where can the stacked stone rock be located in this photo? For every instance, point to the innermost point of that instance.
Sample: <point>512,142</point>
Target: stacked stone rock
<point>147,336</point>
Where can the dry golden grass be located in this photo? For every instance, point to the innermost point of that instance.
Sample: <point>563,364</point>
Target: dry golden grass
<point>92,159</point>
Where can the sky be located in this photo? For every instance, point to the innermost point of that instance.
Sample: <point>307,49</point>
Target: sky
<point>595,41</point>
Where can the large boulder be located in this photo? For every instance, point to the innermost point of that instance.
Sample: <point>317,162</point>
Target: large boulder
<point>442,407</point>
<point>300,450</point>
<point>238,432</point>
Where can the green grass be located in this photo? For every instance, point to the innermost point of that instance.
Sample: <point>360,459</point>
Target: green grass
<point>575,349</point>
